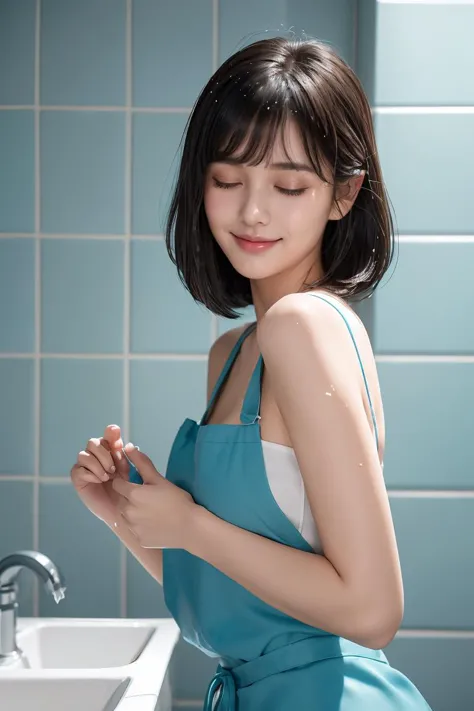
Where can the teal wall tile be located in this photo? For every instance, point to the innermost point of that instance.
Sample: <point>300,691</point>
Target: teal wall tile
<point>144,595</point>
<point>85,550</point>
<point>410,317</point>
<point>427,407</point>
<point>16,532</point>
<point>331,22</point>
<point>248,21</point>
<point>17,51</point>
<point>165,318</point>
<point>156,142</point>
<point>163,393</point>
<point>83,52</point>
<point>17,189</point>
<point>17,420</point>
<point>79,398</point>
<point>420,156</point>
<point>82,172</point>
<point>440,668</point>
<point>17,295</point>
<point>166,35</point>
<point>82,295</point>
<point>425,54</point>
<point>435,541</point>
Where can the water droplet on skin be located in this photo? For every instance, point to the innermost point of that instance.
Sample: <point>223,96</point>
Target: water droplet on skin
<point>360,464</point>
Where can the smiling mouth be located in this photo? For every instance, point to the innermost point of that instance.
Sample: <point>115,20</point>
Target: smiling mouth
<point>257,240</point>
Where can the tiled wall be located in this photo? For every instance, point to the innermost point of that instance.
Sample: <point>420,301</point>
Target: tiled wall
<point>423,96</point>
<point>95,327</point>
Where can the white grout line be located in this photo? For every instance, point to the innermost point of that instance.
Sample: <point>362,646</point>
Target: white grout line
<point>355,38</point>
<point>425,110</point>
<point>436,239</point>
<point>192,357</point>
<point>126,274</point>
<point>108,356</point>
<point>432,110</point>
<point>448,3</point>
<point>421,239</point>
<point>393,493</point>
<point>37,362</point>
<point>133,109</point>
<point>215,35</point>
<point>424,358</point>
<point>16,235</point>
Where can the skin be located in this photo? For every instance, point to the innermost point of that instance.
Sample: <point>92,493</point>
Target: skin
<point>313,400</point>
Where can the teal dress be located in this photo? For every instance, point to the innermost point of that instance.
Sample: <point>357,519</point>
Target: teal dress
<point>267,660</point>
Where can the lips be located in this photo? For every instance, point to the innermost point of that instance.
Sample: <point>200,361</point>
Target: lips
<point>259,240</point>
<point>252,244</point>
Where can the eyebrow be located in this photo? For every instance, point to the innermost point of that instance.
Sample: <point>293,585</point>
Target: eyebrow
<point>284,165</point>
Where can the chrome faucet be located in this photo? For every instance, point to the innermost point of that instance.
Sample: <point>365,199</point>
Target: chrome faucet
<point>10,567</point>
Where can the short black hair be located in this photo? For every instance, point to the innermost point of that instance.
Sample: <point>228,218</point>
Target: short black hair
<point>245,103</point>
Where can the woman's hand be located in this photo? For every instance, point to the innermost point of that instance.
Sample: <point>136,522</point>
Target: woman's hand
<point>157,512</point>
<point>100,462</point>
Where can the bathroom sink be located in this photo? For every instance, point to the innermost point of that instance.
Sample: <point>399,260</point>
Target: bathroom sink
<point>90,664</point>
<point>86,645</point>
<point>52,694</point>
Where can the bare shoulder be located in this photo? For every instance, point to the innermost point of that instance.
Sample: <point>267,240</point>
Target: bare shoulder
<point>219,352</point>
<point>298,318</point>
<point>308,336</point>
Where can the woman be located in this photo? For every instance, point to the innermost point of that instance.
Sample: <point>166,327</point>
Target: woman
<point>272,531</point>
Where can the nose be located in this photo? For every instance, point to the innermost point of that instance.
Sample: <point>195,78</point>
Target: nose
<point>254,210</point>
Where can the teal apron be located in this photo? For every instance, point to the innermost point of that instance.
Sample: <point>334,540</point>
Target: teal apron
<point>267,659</point>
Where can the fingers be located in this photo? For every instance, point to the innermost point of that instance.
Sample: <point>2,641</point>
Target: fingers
<point>113,436</point>
<point>89,461</point>
<point>100,450</point>
<point>81,475</point>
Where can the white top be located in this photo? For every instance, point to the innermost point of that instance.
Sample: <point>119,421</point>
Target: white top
<point>286,484</point>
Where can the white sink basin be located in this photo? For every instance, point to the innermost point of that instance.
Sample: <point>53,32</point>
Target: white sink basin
<point>61,694</point>
<point>75,664</point>
<point>89,646</point>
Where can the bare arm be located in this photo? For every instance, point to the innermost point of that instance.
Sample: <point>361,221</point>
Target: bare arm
<point>150,558</point>
<point>355,589</point>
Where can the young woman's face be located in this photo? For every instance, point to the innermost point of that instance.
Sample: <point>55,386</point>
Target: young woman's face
<point>269,219</point>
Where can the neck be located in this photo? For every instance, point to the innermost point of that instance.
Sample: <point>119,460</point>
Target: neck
<point>266,292</point>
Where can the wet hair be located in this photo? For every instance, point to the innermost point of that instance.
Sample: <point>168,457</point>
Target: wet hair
<point>239,114</point>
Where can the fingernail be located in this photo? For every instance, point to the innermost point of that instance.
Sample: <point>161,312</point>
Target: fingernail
<point>105,476</point>
<point>112,469</point>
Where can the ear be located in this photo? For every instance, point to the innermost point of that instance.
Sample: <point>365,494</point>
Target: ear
<point>346,195</point>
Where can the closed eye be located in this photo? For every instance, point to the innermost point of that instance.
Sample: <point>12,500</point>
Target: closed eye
<point>284,191</point>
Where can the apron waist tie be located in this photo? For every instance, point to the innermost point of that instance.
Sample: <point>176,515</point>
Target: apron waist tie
<point>297,654</point>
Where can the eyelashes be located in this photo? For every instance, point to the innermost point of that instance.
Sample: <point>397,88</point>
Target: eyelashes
<point>284,191</point>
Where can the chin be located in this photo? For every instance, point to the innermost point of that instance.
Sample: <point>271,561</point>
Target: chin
<point>255,269</point>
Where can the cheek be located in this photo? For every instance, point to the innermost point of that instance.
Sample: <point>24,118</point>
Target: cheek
<point>215,207</point>
<point>307,215</point>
